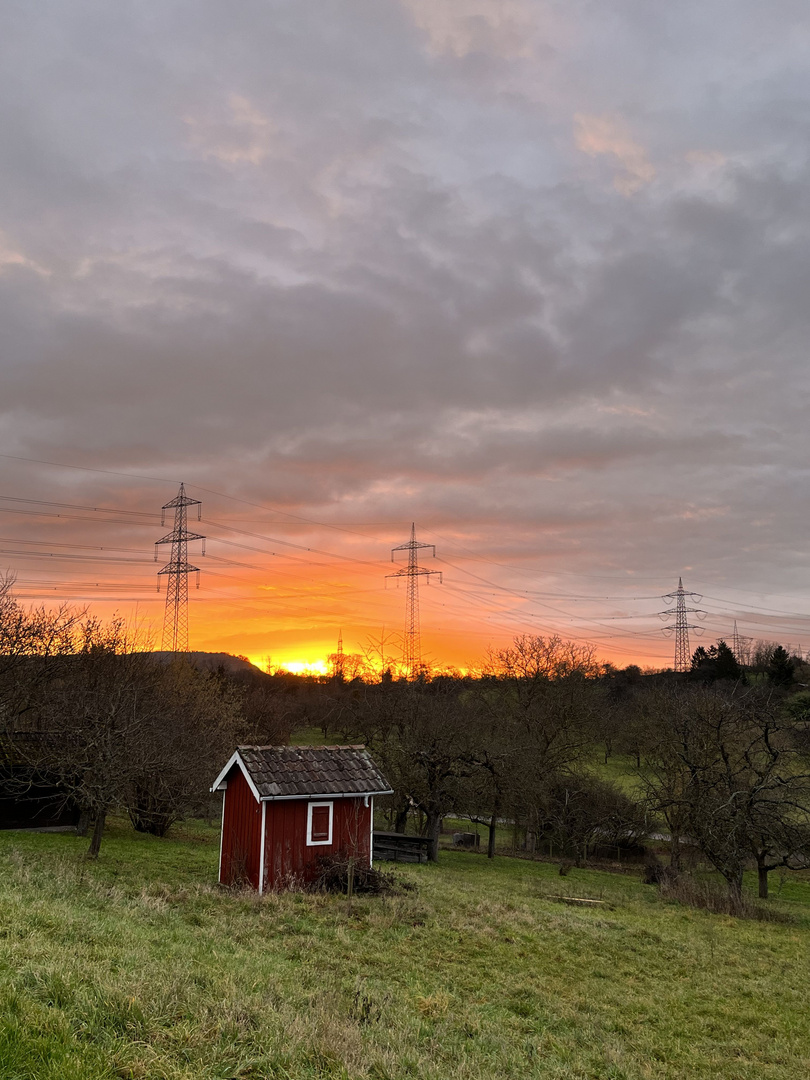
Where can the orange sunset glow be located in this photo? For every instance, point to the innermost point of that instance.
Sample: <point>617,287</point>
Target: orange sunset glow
<point>282,591</point>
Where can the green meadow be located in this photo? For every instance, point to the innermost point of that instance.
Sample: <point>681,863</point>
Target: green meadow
<point>140,966</point>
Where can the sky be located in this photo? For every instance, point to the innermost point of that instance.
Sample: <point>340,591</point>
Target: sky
<point>531,275</point>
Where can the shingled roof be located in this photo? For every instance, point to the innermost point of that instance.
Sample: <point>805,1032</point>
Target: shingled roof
<point>279,772</point>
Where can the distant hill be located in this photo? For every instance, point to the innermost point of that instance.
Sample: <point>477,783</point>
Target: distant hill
<point>210,661</point>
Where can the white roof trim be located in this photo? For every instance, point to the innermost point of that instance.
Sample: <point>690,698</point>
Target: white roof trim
<point>327,795</point>
<point>236,759</point>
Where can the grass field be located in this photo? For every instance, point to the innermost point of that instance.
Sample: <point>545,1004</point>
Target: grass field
<point>138,966</point>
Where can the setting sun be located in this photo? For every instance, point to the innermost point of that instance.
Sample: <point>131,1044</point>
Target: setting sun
<point>300,667</point>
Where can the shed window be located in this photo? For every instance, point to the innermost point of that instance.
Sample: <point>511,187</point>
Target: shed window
<point>319,823</point>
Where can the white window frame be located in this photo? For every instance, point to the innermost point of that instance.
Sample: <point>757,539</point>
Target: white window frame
<point>310,807</point>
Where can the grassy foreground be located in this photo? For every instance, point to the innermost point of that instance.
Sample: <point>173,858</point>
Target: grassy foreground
<point>140,967</point>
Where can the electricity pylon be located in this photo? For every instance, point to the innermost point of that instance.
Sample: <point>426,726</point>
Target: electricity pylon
<point>339,660</point>
<point>177,569</point>
<point>736,644</point>
<point>683,658</point>
<point>412,646</point>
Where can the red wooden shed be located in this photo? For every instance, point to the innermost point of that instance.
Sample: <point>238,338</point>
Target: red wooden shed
<point>284,807</point>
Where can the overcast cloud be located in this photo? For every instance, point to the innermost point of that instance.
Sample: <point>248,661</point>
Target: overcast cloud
<point>532,274</point>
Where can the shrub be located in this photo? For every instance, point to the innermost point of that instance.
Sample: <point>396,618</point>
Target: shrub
<point>713,897</point>
<point>655,872</point>
<point>335,871</point>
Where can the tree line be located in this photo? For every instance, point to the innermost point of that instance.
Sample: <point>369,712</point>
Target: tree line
<point>719,756</point>
<point>118,728</point>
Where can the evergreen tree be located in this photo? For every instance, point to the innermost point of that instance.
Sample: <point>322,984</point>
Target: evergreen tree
<point>726,664</point>
<point>716,662</point>
<point>781,667</point>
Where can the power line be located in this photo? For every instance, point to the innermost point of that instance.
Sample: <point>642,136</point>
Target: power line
<point>79,506</point>
<point>86,468</point>
<point>60,556</point>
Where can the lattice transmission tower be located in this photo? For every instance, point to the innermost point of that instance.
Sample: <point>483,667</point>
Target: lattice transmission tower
<point>176,570</point>
<point>339,660</point>
<point>412,645</point>
<point>683,657</point>
<point>736,644</point>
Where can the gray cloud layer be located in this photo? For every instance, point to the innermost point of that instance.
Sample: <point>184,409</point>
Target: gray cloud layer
<point>535,272</point>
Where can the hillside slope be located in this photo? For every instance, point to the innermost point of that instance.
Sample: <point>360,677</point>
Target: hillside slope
<point>140,966</point>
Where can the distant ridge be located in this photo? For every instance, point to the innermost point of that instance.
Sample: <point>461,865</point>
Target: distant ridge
<point>211,661</point>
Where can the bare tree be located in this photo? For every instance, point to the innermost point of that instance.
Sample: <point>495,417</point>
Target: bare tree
<point>97,711</point>
<point>544,698</point>
<point>423,737</point>
<point>346,667</point>
<point>191,721</point>
<point>131,733</point>
<point>380,656</point>
<point>533,660</point>
<point>727,769</point>
<point>33,641</point>
<point>579,811</point>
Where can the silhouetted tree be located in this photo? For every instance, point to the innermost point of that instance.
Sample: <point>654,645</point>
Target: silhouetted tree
<point>132,733</point>
<point>422,737</point>
<point>192,722</point>
<point>34,643</point>
<point>578,811</point>
<point>716,662</point>
<point>544,697</point>
<point>781,667</point>
<point>612,727</point>
<point>728,769</point>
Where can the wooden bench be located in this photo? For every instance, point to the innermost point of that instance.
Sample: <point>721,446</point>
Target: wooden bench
<point>400,847</point>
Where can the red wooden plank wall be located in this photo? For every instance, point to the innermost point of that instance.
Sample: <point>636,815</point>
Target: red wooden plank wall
<point>241,832</point>
<point>288,860</point>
